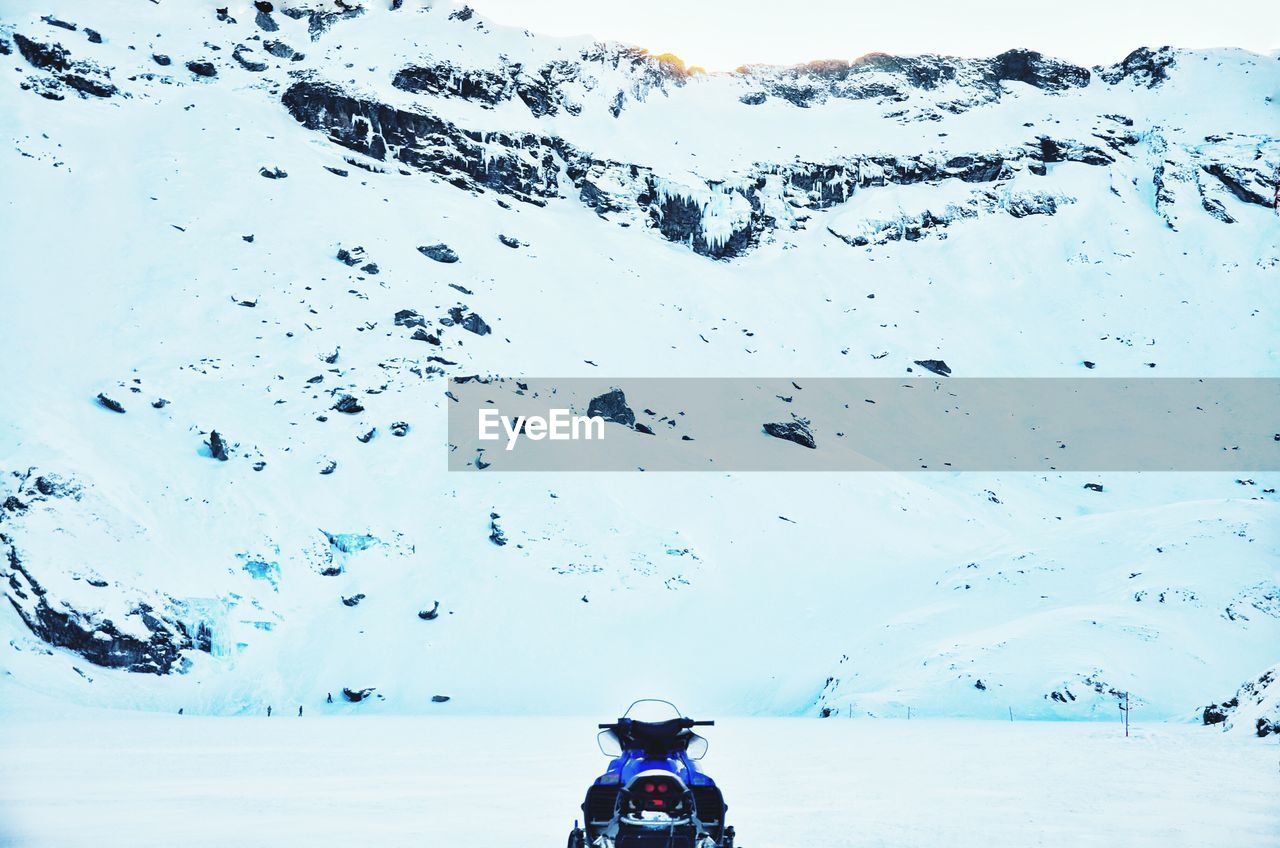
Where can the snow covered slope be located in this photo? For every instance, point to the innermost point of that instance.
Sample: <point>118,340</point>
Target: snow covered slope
<point>289,227</point>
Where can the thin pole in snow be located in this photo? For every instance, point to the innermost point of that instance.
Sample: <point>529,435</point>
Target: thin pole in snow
<point>1011,714</point>
<point>908,714</point>
<point>1126,715</point>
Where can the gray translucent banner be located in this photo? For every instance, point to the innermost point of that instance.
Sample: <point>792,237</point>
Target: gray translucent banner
<point>864,424</point>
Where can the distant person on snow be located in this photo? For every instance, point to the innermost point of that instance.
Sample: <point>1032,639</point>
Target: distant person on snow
<point>268,712</point>
<point>329,700</point>
<point>179,710</point>
<point>299,710</point>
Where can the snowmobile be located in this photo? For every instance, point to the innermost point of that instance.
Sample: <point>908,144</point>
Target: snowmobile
<point>652,795</point>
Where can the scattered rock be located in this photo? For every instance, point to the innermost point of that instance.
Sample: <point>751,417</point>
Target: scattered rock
<point>509,241</point>
<point>161,59</point>
<point>202,68</point>
<point>365,438</point>
<point>612,406</point>
<point>329,467</point>
<point>1093,487</point>
<point>495,532</point>
<point>159,403</point>
<point>399,428</point>
<point>937,366</point>
<point>348,405</point>
<point>439,699</point>
<point>793,431</point>
<point>431,614</point>
<point>410,318</point>
<point>353,600</point>
<point>272,173</point>
<point>107,403</point>
<point>439,252</point>
<point>355,696</point>
<point>217,446</point>
<point>351,257</point>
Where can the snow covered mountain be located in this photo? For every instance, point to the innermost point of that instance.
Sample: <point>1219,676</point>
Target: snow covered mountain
<point>247,246</point>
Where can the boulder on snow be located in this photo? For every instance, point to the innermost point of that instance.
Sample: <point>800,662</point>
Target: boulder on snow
<point>217,446</point>
<point>431,614</point>
<point>937,366</point>
<point>107,403</point>
<point>793,431</point>
<point>348,405</point>
<point>439,699</point>
<point>355,696</point>
<point>272,173</point>
<point>439,252</point>
<point>612,406</point>
<point>202,68</point>
<point>509,241</point>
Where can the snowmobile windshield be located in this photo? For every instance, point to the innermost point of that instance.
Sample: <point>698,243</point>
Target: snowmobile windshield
<point>652,710</point>
<point>655,727</point>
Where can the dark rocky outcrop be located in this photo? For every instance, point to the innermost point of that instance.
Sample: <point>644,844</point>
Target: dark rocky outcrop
<point>1146,67</point>
<point>97,639</point>
<point>431,614</point>
<point>353,600</point>
<point>217,446</point>
<point>793,431</point>
<point>612,406</point>
<point>355,696</point>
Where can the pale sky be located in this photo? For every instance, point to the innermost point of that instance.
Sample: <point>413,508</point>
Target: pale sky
<point>722,34</point>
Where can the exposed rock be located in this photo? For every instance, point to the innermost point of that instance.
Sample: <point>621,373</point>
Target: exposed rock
<point>96,639</point>
<point>399,428</point>
<point>351,257</point>
<point>495,532</point>
<point>1144,66</point>
<point>431,614</point>
<point>365,438</point>
<point>439,699</point>
<point>202,68</point>
<point>353,600</point>
<point>282,51</point>
<point>410,318</point>
<point>107,403</point>
<point>509,241</point>
<point>49,57</point>
<point>161,59</point>
<point>241,55</point>
<point>612,406</point>
<point>439,252</point>
<point>217,446</point>
<point>937,366</point>
<point>355,696</point>
<point>272,173</point>
<point>348,405</point>
<point>469,321</point>
<point>52,21</point>
<point>793,431</point>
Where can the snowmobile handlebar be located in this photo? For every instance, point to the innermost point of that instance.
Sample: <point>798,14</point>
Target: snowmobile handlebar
<point>610,725</point>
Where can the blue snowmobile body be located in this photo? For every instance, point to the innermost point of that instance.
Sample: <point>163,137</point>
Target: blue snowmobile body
<point>653,792</point>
